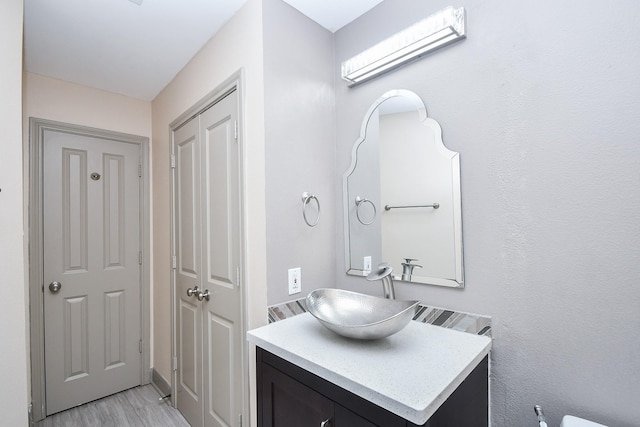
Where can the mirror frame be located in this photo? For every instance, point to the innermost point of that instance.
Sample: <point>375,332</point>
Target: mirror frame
<point>458,280</point>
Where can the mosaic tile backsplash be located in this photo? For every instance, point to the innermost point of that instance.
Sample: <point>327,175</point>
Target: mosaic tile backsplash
<point>470,323</point>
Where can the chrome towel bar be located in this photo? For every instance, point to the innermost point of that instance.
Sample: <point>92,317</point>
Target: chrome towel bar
<point>435,205</point>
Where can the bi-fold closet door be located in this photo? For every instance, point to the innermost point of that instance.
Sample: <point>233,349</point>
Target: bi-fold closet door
<point>206,236</point>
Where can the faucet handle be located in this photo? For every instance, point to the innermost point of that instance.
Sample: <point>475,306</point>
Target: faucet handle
<point>383,270</point>
<point>404,264</point>
<point>408,261</point>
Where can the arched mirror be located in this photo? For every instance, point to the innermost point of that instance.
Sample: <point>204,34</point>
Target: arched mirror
<point>401,196</point>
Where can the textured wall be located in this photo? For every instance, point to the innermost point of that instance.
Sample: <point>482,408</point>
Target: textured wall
<point>299,149</point>
<point>541,101</point>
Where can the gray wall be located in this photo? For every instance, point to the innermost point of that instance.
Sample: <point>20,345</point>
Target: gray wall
<point>300,149</point>
<point>541,101</point>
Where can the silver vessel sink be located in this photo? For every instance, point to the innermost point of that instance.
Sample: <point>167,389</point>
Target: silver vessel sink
<point>359,316</point>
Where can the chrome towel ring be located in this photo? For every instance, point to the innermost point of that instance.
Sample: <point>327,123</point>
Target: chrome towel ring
<point>360,201</point>
<point>306,199</point>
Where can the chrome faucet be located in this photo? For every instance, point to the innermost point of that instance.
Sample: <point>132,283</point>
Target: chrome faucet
<point>383,272</point>
<point>407,268</point>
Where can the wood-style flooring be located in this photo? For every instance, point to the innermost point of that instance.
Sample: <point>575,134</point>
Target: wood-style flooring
<point>140,406</point>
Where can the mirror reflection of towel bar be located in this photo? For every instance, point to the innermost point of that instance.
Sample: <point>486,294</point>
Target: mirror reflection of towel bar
<point>360,202</point>
<point>434,206</point>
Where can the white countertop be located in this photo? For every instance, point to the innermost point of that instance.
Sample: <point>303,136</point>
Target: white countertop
<point>410,373</point>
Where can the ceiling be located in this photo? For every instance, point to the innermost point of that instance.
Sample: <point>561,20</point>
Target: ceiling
<point>136,50</point>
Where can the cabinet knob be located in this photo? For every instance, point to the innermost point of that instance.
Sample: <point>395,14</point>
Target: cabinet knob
<point>326,423</point>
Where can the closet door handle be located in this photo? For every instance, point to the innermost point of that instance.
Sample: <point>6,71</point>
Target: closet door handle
<point>326,423</point>
<point>192,292</point>
<point>204,295</point>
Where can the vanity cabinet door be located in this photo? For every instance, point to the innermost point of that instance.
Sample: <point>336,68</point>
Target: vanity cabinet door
<point>292,404</point>
<point>346,418</point>
<point>289,396</point>
<point>286,402</point>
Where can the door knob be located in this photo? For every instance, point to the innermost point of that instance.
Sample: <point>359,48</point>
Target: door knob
<point>191,292</point>
<point>326,423</point>
<point>54,287</point>
<point>204,295</point>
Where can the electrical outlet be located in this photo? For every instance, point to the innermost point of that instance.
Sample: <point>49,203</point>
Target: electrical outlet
<point>367,266</point>
<point>295,281</point>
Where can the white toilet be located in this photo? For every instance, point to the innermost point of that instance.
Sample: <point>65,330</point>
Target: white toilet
<point>571,421</point>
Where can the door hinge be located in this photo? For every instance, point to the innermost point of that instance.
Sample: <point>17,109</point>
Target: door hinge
<point>175,363</point>
<point>238,276</point>
<point>140,346</point>
<point>140,257</point>
<point>240,420</point>
<point>139,171</point>
<point>235,130</point>
<point>174,262</point>
<point>173,161</point>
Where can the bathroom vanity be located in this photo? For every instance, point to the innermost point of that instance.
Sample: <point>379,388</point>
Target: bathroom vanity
<point>424,375</point>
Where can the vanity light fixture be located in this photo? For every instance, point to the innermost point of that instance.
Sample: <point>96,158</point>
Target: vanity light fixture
<point>434,32</point>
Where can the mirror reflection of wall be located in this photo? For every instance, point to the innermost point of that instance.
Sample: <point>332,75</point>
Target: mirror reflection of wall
<point>364,203</point>
<point>400,161</point>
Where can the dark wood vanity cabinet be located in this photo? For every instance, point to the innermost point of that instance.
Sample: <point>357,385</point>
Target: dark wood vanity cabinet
<point>289,396</point>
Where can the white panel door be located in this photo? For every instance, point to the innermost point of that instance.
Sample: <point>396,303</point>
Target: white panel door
<point>221,264</point>
<point>91,248</point>
<point>188,259</point>
<point>207,243</point>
